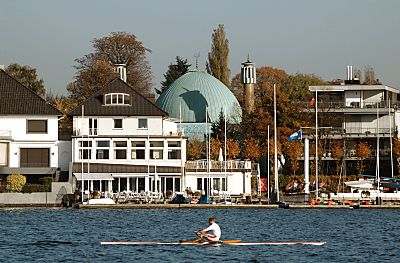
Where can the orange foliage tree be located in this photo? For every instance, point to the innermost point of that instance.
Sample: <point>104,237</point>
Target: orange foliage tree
<point>195,150</point>
<point>363,151</point>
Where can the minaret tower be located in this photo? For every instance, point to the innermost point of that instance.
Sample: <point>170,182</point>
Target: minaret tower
<point>248,79</point>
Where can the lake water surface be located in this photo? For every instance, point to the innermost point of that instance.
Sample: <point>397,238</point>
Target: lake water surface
<point>73,235</point>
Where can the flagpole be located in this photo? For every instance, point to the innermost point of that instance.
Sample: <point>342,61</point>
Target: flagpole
<point>83,182</point>
<point>268,168</point>
<point>275,150</point>
<point>316,144</point>
<point>226,176</point>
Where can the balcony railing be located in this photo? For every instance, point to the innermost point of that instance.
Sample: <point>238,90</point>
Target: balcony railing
<point>230,165</point>
<point>348,105</point>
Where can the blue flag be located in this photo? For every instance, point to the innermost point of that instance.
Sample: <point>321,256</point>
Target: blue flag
<point>295,136</point>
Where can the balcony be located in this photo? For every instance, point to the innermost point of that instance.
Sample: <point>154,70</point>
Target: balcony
<point>231,165</point>
<point>351,106</point>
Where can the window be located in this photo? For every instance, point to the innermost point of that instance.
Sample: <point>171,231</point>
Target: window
<point>34,157</point>
<point>174,144</point>
<point>102,151</point>
<point>117,123</point>
<point>102,154</point>
<point>92,126</point>
<point>120,148</point>
<point>142,123</point>
<point>117,99</point>
<point>174,154</point>
<point>36,126</point>
<point>85,150</point>
<point>138,150</point>
<point>156,149</point>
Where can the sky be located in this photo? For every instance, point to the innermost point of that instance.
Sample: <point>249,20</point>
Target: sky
<point>308,36</point>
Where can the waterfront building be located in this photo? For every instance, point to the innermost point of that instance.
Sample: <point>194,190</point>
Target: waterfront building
<point>351,113</point>
<point>28,133</point>
<point>123,142</point>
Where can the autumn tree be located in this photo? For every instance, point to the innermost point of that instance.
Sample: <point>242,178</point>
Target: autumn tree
<point>396,152</point>
<point>65,105</point>
<point>293,151</point>
<point>195,150</point>
<point>251,149</point>
<point>363,151</point>
<point>215,146</point>
<point>96,69</point>
<point>232,149</point>
<point>27,76</point>
<point>174,71</point>
<point>337,154</point>
<point>217,64</point>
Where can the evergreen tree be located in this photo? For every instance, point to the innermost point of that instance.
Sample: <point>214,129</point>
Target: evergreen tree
<point>174,72</point>
<point>217,64</point>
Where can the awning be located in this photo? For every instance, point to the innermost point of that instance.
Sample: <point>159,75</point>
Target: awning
<point>94,176</point>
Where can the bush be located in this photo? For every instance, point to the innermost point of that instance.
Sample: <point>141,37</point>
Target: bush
<point>15,182</point>
<point>34,188</point>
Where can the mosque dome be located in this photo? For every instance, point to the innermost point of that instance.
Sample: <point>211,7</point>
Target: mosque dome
<point>194,92</point>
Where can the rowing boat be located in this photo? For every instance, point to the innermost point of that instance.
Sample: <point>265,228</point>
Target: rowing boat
<point>222,242</point>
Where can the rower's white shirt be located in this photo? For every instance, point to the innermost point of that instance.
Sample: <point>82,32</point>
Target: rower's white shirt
<point>213,229</point>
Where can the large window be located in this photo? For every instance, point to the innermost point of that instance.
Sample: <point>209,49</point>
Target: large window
<point>174,150</point>
<point>138,150</point>
<point>120,148</point>
<point>156,149</point>
<point>92,126</point>
<point>85,150</point>
<point>102,150</point>
<point>35,157</point>
<point>36,126</point>
<point>117,99</point>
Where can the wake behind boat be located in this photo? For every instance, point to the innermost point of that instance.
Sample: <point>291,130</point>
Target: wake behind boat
<point>233,242</point>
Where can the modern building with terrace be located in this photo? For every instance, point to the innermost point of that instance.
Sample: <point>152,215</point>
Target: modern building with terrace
<point>354,113</point>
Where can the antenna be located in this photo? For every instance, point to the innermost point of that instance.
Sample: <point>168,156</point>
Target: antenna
<point>196,56</point>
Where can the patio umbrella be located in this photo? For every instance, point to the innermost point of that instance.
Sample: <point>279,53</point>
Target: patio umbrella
<point>220,157</point>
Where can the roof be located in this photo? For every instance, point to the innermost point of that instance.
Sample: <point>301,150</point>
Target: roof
<point>140,106</point>
<point>195,91</point>
<point>328,88</point>
<point>16,99</point>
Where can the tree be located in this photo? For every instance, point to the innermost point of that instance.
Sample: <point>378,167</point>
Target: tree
<point>293,151</point>
<point>363,151</point>
<point>65,105</point>
<point>195,150</point>
<point>215,146</point>
<point>96,69</point>
<point>232,149</point>
<point>369,76</point>
<point>251,149</point>
<point>174,71</point>
<point>217,64</point>
<point>27,76</point>
<point>337,154</point>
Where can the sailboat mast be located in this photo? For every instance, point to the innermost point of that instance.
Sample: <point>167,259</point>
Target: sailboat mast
<point>82,153</point>
<point>316,144</point>
<point>268,167</point>
<point>275,150</point>
<point>391,142</point>
<point>377,145</point>
<point>226,176</point>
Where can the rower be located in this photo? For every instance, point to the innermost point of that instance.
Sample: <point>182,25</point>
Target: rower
<point>210,233</point>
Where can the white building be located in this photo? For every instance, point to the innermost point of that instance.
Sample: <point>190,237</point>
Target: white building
<point>28,132</point>
<point>123,142</point>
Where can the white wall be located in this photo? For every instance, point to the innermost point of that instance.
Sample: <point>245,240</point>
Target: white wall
<point>64,154</point>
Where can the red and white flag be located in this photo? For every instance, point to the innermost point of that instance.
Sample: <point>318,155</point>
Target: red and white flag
<point>312,101</point>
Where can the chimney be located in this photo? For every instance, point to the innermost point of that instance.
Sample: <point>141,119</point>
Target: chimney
<point>349,75</point>
<point>121,70</point>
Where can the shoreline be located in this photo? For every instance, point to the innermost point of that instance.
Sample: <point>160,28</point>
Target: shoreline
<point>205,206</point>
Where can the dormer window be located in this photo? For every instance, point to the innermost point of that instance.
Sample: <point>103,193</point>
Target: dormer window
<point>117,99</point>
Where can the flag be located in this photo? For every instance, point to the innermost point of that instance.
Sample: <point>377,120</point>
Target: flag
<point>295,136</point>
<point>312,101</point>
<point>281,162</point>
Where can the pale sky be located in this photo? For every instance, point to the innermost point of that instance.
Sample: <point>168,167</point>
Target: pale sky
<point>311,36</point>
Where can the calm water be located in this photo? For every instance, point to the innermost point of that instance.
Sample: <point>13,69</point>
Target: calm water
<point>71,235</point>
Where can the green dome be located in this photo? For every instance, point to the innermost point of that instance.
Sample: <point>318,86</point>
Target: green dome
<point>195,91</point>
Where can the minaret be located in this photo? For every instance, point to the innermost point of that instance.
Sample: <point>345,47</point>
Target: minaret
<point>248,78</point>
